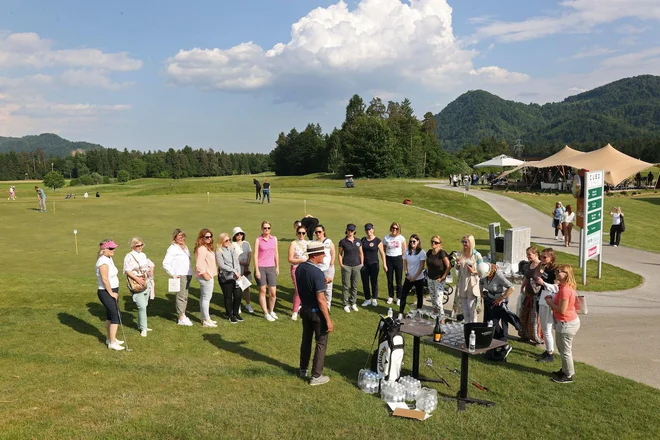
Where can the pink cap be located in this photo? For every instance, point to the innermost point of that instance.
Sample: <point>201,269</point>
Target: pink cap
<point>109,245</point>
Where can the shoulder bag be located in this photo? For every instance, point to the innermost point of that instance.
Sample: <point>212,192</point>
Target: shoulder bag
<point>133,285</point>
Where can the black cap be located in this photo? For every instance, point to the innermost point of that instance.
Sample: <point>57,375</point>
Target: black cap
<point>350,227</point>
<point>368,226</point>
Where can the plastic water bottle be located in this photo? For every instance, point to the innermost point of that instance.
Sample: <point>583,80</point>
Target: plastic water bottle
<point>473,342</point>
<point>390,313</point>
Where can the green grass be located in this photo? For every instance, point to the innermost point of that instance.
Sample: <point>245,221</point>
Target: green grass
<point>641,211</point>
<point>238,381</point>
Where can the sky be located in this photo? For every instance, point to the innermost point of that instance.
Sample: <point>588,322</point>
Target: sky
<point>160,74</point>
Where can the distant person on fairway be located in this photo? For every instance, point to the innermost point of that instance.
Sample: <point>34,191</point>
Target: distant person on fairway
<point>108,291</point>
<point>314,312</point>
<point>266,192</point>
<point>177,264</point>
<point>42,198</point>
<point>12,193</point>
<point>257,187</point>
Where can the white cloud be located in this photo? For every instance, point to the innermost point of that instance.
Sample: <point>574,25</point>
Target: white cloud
<point>30,50</point>
<point>380,44</point>
<point>596,51</point>
<point>642,58</point>
<point>574,16</point>
<point>89,78</point>
<point>497,75</point>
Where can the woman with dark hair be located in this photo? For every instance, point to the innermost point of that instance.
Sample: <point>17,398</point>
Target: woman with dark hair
<point>351,260</point>
<point>439,266</point>
<point>557,214</point>
<point>328,264</point>
<point>267,268</point>
<point>529,317</point>
<point>177,264</point>
<point>297,256</point>
<point>244,252</point>
<point>413,266</point>
<point>229,271</point>
<point>108,291</point>
<point>395,246</point>
<point>372,247</point>
<point>205,271</point>
<point>547,283</point>
<point>567,225</point>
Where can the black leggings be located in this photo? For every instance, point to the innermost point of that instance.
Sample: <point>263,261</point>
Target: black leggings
<point>369,273</point>
<point>407,287</point>
<point>110,304</point>
<point>232,296</point>
<point>394,267</point>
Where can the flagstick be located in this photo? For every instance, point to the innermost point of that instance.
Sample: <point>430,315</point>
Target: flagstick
<point>75,239</point>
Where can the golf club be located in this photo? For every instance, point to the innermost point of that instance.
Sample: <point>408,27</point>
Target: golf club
<point>121,324</point>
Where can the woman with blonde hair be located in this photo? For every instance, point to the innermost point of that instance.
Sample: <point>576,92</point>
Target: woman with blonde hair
<point>177,264</point>
<point>549,289</point>
<point>108,291</point>
<point>297,256</point>
<point>136,267</point>
<point>567,322</point>
<point>267,268</point>
<point>229,271</point>
<point>244,252</point>
<point>205,271</point>
<point>328,264</point>
<point>395,246</point>
<point>438,265</point>
<point>468,278</point>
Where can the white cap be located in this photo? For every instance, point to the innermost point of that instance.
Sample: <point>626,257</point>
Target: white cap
<point>483,269</point>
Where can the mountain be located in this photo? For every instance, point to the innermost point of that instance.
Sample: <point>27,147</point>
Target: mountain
<point>625,109</point>
<point>49,143</point>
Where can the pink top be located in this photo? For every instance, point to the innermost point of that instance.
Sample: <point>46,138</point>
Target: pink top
<point>266,251</point>
<point>566,293</point>
<point>205,262</point>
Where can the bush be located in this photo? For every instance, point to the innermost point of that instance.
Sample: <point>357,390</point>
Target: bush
<point>54,179</point>
<point>86,180</point>
<point>123,176</point>
<point>97,178</point>
<point>624,193</point>
<point>106,180</point>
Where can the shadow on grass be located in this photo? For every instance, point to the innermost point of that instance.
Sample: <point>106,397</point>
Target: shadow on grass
<point>347,363</point>
<point>97,309</point>
<point>240,349</point>
<point>80,326</point>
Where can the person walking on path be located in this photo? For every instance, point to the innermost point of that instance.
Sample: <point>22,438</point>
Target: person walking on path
<point>266,269</point>
<point>178,264</point>
<point>257,188</point>
<point>206,269</point>
<point>567,225</point>
<point>617,226</point>
<point>266,192</point>
<point>41,194</point>
<point>395,246</point>
<point>351,260</point>
<point>314,313</point>
<point>557,214</point>
<point>296,257</point>
<point>567,322</point>
<point>372,248</point>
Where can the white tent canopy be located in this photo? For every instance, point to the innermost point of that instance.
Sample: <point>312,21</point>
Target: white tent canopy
<point>500,161</point>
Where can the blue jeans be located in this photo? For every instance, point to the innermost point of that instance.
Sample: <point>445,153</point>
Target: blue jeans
<point>266,193</point>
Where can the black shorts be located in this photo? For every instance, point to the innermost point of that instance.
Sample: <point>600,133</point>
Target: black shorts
<point>110,304</point>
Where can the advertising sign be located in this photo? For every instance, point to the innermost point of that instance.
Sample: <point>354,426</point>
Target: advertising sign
<point>593,213</point>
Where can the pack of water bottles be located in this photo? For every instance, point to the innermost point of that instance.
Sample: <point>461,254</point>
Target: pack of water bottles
<point>427,400</point>
<point>453,334</point>
<point>411,387</point>
<point>369,381</point>
<point>392,392</point>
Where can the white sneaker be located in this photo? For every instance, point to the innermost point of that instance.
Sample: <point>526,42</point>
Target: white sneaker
<point>150,329</point>
<point>615,246</point>
<point>117,341</point>
<point>556,238</point>
<point>398,302</point>
<point>274,315</point>
<point>249,308</point>
<point>354,308</point>
<point>374,302</point>
<point>294,316</point>
<point>389,300</point>
<point>115,346</point>
<point>214,322</point>
<point>209,323</point>
<point>143,333</point>
<point>366,303</point>
<point>269,318</point>
<point>185,322</point>
<point>239,310</point>
<point>347,309</point>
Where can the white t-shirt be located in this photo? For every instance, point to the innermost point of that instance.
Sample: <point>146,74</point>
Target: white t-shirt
<point>616,219</point>
<point>130,262</point>
<point>327,243</point>
<point>414,262</point>
<point>394,245</point>
<point>112,272</point>
<point>569,218</point>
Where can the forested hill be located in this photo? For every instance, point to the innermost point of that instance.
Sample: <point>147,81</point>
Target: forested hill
<point>49,143</point>
<point>625,109</point>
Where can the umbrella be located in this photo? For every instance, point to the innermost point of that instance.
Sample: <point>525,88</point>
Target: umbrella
<point>500,161</point>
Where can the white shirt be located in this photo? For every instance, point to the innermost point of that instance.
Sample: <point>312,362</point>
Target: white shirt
<point>414,262</point>
<point>569,218</point>
<point>616,219</point>
<point>177,261</point>
<point>130,262</point>
<point>112,272</point>
<point>325,264</point>
<point>394,245</point>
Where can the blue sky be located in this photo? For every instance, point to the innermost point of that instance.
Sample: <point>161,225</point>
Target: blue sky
<point>232,75</point>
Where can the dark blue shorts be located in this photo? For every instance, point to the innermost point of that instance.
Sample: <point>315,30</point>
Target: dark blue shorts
<point>110,304</point>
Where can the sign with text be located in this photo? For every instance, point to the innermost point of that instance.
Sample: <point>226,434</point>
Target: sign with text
<point>593,214</point>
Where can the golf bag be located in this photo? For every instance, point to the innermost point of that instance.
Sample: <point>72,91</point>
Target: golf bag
<point>388,356</point>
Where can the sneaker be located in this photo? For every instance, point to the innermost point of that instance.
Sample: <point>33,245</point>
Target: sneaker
<point>547,357</point>
<point>558,373</point>
<point>150,329</point>
<point>562,379</point>
<point>117,341</point>
<point>398,302</point>
<point>556,238</point>
<point>347,309</point>
<point>319,380</point>
<point>374,302</point>
<point>269,318</point>
<point>185,322</point>
<point>213,322</point>
<point>507,350</point>
<point>354,307</point>
<point>239,318</point>
<point>143,333</point>
<point>239,310</point>
<point>249,308</point>
<point>233,320</point>
<point>614,246</point>
<point>389,300</point>
<point>115,346</point>
<point>209,323</point>
<point>302,373</point>
<point>366,303</point>
<point>294,316</point>
<point>274,315</point>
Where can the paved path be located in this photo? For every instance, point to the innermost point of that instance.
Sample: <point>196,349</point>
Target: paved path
<point>620,333</point>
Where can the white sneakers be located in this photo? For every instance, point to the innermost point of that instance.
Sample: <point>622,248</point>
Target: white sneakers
<point>274,315</point>
<point>185,322</point>
<point>117,341</point>
<point>374,302</point>
<point>143,333</point>
<point>398,302</point>
<point>209,323</point>
<point>354,308</point>
<point>294,316</point>
<point>366,303</point>
<point>116,346</point>
<point>249,308</point>
<point>389,300</point>
<point>347,309</point>
<point>269,317</point>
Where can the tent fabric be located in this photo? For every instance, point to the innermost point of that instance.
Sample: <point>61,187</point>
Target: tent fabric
<point>551,161</point>
<point>500,161</point>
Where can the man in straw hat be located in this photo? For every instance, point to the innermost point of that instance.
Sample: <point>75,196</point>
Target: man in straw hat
<point>314,312</point>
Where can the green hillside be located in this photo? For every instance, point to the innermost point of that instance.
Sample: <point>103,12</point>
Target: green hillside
<point>625,109</point>
<point>49,143</point>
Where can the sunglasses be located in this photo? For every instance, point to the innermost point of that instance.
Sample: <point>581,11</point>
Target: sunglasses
<point>413,241</point>
<point>266,228</point>
<point>208,236</point>
<point>226,240</point>
<point>435,242</point>
<point>301,232</point>
<point>139,245</point>
<point>318,232</point>
<point>394,228</point>
<point>464,241</point>
<point>111,249</point>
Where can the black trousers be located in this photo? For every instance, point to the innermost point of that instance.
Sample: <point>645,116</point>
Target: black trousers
<point>369,274</point>
<point>615,235</point>
<point>258,193</point>
<point>232,295</point>
<point>497,315</point>
<point>394,269</point>
<point>314,325</point>
<point>407,287</point>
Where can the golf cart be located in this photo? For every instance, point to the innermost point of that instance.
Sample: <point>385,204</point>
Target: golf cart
<point>349,183</point>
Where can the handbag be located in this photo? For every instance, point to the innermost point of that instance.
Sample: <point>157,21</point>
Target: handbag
<point>623,224</point>
<point>134,286</point>
<point>581,305</point>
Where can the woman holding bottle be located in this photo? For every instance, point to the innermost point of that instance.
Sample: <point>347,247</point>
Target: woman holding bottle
<point>549,289</point>
<point>529,317</point>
